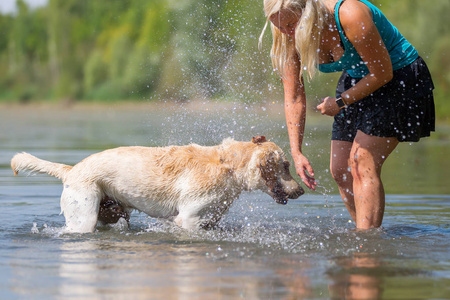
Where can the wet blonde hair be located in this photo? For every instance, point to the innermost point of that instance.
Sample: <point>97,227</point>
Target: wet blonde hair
<point>314,16</point>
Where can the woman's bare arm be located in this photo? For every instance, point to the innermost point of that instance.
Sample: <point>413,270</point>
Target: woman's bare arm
<point>295,110</point>
<point>358,25</point>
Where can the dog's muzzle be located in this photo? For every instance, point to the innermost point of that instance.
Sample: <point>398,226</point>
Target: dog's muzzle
<point>284,190</point>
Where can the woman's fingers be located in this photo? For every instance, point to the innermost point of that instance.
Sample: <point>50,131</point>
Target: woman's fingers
<point>305,171</point>
<point>310,182</point>
<point>320,107</point>
<point>310,170</point>
<point>328,106</point>
<point>307,176</point>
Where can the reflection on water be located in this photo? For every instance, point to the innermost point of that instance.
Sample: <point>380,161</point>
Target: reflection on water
<point>266,253</point>
<point>305,250</point>
<point>355,277</point>
<point>162,271</point>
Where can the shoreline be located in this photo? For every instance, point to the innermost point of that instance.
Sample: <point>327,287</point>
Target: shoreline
<point>270,109</point>
<point>195,106</point>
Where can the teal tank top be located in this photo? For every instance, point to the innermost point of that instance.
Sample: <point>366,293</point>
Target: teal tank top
<point>402,53</point>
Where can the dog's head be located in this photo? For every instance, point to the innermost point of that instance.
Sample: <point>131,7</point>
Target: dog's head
<point>274,171</point>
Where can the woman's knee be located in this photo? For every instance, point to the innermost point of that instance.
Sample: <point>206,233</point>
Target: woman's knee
<point>369,153</point>
<point>339,168</point>
<point>340,173</point>
<point>363,165</point>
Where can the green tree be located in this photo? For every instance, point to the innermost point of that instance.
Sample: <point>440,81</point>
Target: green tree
<point>134,49</point>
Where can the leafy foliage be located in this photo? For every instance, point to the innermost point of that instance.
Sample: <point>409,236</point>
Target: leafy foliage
<point>117,49</point>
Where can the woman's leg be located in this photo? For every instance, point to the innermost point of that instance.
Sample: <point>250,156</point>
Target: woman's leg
<point>340,170</point>
<point>367,156</point>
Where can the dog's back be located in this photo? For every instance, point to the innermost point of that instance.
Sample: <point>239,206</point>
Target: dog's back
<point>167,175</point>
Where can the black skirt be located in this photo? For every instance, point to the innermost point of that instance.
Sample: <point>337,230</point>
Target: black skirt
<point>403,108</point>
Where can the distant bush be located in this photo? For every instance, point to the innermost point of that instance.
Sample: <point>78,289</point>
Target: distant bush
<point>115,49</point>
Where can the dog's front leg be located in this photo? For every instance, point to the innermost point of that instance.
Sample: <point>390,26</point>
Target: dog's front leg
<point>187,221</point>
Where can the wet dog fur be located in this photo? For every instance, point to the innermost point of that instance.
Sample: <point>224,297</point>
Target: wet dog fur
<point>193,185</point>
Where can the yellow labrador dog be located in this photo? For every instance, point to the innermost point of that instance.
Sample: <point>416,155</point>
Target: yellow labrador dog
<point>192,185</point>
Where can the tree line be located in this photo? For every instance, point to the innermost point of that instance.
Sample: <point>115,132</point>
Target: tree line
<point>176,50</point>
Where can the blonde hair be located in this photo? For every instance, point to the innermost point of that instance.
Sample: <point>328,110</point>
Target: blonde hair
<point>314,16</point>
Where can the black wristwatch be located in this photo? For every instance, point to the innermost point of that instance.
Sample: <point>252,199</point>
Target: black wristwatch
<point>340,103</point>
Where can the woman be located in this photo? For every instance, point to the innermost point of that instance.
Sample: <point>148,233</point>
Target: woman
<point>383,97</point>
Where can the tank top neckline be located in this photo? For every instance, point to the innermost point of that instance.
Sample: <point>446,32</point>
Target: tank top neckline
<point>341,33</point>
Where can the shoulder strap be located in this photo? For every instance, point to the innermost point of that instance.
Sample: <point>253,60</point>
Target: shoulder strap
<point>338,22</point>
<point>337,6</point>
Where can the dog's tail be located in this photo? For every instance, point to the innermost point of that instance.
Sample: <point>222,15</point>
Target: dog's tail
<point>24,161</point>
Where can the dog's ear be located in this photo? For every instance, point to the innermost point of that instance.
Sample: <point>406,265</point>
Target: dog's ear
<point>259,139</point>
<point>268,170</point>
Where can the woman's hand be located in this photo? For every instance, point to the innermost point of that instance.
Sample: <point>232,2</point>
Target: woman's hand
<point>328,107</point>
<point>305,171</point>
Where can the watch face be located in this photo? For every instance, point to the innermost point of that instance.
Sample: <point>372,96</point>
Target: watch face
<point>340,103</point>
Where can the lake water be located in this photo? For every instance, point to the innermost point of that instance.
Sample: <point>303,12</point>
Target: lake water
<point>307,249</point>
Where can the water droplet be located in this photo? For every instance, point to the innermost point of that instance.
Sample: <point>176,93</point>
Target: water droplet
<point>34,229</point>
